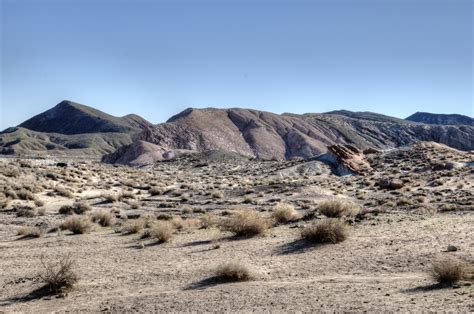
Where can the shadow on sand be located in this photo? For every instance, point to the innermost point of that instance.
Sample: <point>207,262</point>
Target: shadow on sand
<point>296,247</point>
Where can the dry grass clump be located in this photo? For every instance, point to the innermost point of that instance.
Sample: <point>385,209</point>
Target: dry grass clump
<point>30,232</point>
<point>161,231</point>
<point>285,213</point>
<point>103,218</point>
<point>25,211</point>
<point>217,194</point>
<point>325,231</point>
<point>77,224</point>
<point>76,208</point>
<point>111,197</point>
<point>59,277</point>
<point>245,222</point>
<point>337,208</point>
<point>233,271</point>
<point>133,226</point>
<point>62,191</point>
<point>448,271</point>
<point>208,220</point>
<point>156,190</point>
<point>26,195</point>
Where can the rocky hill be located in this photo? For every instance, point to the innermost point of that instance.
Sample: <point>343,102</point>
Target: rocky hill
<point>68,117</point>
<point>271,136</point>
<point>441,119</point>
<point>77,130</point>
<point>71,129</point>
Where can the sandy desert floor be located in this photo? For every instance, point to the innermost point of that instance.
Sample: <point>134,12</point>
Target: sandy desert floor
<point>383,265</point>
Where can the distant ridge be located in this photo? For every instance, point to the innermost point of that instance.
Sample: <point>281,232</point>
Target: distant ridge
<point>73,129</point>
<point>441,119</point>
<point>69,117</point>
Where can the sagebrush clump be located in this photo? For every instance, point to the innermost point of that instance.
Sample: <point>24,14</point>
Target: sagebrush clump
<point>60,276</point>
<point>285,213</point>
<point>337,208</point>
<point>233,271</point>
<point>245,222</point>
<point>77,224</point>
<point>329,230</point>
<point>448,271</point>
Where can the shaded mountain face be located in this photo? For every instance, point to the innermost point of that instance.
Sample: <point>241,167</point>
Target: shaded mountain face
<point>271,136</point>
<point>71,129</point>
<point>71,118</point>
<point>441,119</point>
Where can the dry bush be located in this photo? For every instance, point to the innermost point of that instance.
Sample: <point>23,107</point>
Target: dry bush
<point>177,222</point>
<point>217,194</point>
<point>39,203</point>
<point>77,224</point>
<point>233,271</point>
<point>111,197</point>
<point>59,277</point>
<point>448,271</point>
<point>285,213</point>
<point>30,232</point>
<point>208,220</point>
<point>25,211</point>
<point>76,208</point>
<point>326,231</point>
<point>156,190</point>
<point>245,222</point>
<point>337,208</point>
<point>133,226</point>
<point>103,218</point>
<point>62,191</point>
<point>133,204</point>
<point>161,231</point>
<point>26,195</point>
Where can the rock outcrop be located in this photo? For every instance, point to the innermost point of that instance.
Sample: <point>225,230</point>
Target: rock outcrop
<point>346,160</point>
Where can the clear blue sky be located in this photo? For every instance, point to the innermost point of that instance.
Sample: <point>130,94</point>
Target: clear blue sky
<point>155,58</point>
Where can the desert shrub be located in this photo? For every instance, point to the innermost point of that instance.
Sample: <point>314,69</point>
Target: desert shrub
<point>285,213</point>
<point>233,271</point>
<point>111,197</point>
<point>133,226</point>
<point>338,208</point>
<point>77,224</point>
<point>30,232</point>
<point>76,208</point>
<point>26,195</point>
<point>161,231</point>
<point>59,276</point>
<point>245,222</point>
<point>156,190</point>
<point>326,231</point>
<point>217,194</point>
<point>208,220</point>
<point>103,218</point>
<point>25,211</point>
<point>448,271</point>
<point>127,195</point>
<point>134,204</point>
<point>177,222</point>
<point>62,191</point>
<point>39,203</point>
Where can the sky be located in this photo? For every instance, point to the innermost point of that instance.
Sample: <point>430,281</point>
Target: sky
<point>156,58</point>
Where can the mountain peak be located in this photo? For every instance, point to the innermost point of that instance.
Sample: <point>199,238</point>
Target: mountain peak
<point>69,117</point>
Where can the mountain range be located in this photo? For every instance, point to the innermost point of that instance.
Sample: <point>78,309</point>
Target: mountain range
<point>77,130</point>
